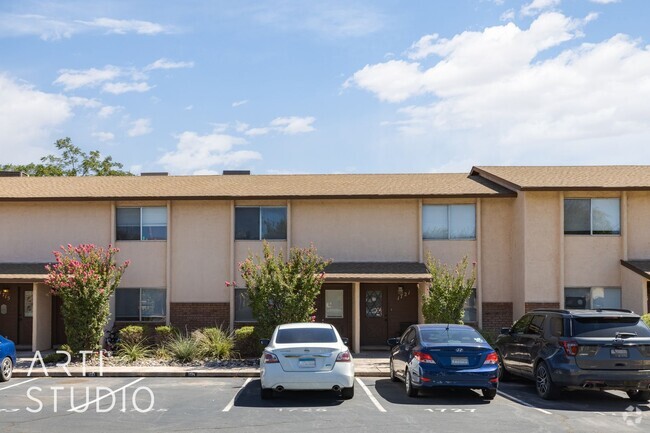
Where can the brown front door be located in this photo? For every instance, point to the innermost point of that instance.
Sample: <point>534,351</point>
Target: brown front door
<point>334,306</point>
<point>58,327</point>
<point>386,311</point>
<point>16,313</point>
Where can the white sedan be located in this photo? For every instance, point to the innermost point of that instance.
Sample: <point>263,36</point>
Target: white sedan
<point>306,356</point>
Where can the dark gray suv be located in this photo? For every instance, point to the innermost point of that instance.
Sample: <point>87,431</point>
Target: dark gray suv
<point>578,349</point>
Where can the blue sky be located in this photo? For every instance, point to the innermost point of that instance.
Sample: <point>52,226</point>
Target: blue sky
<point>195,87</point>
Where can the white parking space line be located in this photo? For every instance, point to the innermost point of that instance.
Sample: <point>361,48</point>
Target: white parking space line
<point>515,399</point>
<point>18,384</point>
<point>232,402</point>
<point>372,398</point>
<point>112,393</point>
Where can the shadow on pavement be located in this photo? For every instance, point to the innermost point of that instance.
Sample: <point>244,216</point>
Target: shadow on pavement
<point>250,397</point>
<point>394,392</point>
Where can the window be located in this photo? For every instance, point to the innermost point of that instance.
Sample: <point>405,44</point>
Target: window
<point>557,326</point>
<point>306,335</point>
<point>456,221</point>
<point>333,304</point>
<point>582,298</point>
<point>141,223</point>
<point>536,326</point>
<point>470,308</point>
<point>596,216</point>
<point>522,324</point>
<point>141,305</point>
<point>243,311</point>
<point>256,223</point>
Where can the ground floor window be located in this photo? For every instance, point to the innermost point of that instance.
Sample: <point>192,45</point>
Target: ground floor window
<point>140,305</point>
<point>470,309</point>
<point>592,297</point>
<point>243,311</point>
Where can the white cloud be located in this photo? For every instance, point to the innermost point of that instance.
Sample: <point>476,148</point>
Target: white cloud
<point>122,27</point>
<point>239,103</point>
<point>72,79</point>
<point>189,108</point>
<point>492,95</point>
<point>35,25</point>
<point>121,87</point>
<point>140,127</point>
<point>168,64</point>
<point>508,15</point>
<point>107,111</point>
<point>537,6</point>
<point>285,125</point>
<point>197,153</point>
<point>28,120</point>
<point>605,2</point>
<point>103,136</point>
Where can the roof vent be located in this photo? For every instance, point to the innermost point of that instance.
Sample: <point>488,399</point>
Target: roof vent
<point>236,172</point>
<point>155,173</point>
<point>13,174</point>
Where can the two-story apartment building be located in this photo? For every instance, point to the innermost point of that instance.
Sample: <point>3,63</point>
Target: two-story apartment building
<point>539,236</point>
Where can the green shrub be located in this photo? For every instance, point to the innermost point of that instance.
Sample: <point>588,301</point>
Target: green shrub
<point>54,358</point>
<point>247,342</point>
<point>130,351</point>
<point>215,343</point>
<point>489,335</point>
<point>163,334</point>
<point>132,335</point>
<point>449,290</point>
<point>67,348</point>
<point>646,319</point>
<point>183,348</point>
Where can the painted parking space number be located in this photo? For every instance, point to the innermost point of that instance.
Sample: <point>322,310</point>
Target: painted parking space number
<point>451,410</point>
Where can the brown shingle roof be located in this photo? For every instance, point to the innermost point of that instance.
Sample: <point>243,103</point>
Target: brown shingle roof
<point>23,271</point>
<point>357,271</point>
<point>606,177</point>
<point>242,187</point>
<point>641,267</point>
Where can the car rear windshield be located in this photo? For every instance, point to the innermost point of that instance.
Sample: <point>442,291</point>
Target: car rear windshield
<point>450,336</point>
<point>306,335</point>
<point>608,326</point>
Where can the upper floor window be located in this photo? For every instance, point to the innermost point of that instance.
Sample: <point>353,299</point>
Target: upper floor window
<point>454,221</point>
<point>256,223</point>
<point>141,223</point>
<point>592,216</point>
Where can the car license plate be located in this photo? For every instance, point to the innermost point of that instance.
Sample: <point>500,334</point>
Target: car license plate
<point>457,360</point>
<point>306,363</point>
<point>619,353</point>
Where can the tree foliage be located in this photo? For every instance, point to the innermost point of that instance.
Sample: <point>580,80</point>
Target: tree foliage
<point>282,291</point>
<point>85,277</point>
<point>71,162</point>
<point>449,290</point>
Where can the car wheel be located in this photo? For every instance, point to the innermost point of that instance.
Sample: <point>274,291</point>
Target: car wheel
<point>544,384</point>
<point>489,394</point>
<point>267,393</point>
<point>6,369</point>
<point>638,395</point>
<point>504,375</point>
<point>411,391</point>
<point>393,377</point>
<point>347,393</point>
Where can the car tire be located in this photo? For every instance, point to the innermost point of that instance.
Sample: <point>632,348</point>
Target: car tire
<point>266,393</point>
<point>504,375</point>
<point>489,393</point>
<point>393,376</point>
<point>347,393</point>
<point>544,385</point>
<point>638,395</point>
<point>411,391</point>
<point>6,369</point>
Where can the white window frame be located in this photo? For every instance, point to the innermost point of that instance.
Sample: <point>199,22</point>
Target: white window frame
<point>449,238</point>
<point>141,226</point>
<point>140,289</point>
<point>259,237</point>
<point>591,217</point>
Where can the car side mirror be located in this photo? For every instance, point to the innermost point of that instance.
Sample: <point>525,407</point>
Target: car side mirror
<point>345,340</point>
<point>265,342</point>
<point>506,331</point>
<point>392,342</point>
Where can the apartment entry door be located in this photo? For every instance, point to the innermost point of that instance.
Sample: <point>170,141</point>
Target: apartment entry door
<point>16,313</point>
<point>386,311</point>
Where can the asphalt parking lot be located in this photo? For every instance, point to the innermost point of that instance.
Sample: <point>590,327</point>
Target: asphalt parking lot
<point>224,404</point>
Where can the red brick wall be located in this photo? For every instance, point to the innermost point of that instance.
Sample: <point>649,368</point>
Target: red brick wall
<point>192,315</point>
<point>497,315</point>
<point>533,305</point>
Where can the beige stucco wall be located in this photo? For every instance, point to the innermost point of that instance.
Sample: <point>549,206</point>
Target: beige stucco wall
<point>148,263</point>
<point>42,330</point>
<point>592,261</point>
<point>357,230</point>
<point>638,219</point>
<point>34,230</point>
<point>200,253</point>
<point>450,252</point>
<point>244,248</point>
<point>633,291</point>
<point>496,249</point>
<point>518,269</point>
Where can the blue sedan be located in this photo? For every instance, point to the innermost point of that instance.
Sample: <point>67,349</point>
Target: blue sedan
<point>7,358</point>
<point>441,355</point>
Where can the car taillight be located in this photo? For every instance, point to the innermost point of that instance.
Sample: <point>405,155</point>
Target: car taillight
<point>344,357</point>
<point>270,358</point>
<point>570,347</point>
<point>424,358</point>
<point>492,358</point>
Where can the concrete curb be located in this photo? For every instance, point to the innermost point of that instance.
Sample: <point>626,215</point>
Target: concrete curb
<point>161,373</point>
